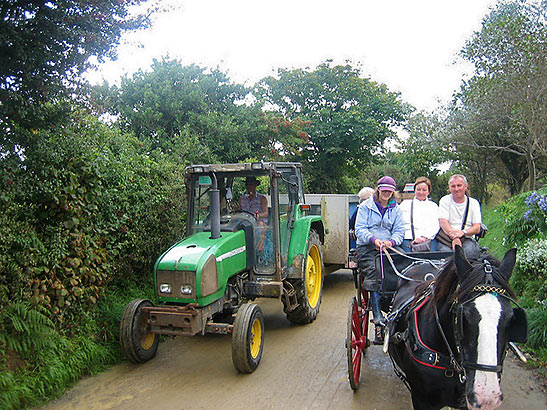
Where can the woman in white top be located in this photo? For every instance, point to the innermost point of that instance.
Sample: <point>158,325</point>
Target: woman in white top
<point>425,216</point>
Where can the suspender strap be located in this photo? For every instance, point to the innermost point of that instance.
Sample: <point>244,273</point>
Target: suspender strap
<point>412,218</point>
<point>465,213</point>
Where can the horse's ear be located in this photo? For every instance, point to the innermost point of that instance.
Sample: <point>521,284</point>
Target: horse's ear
<point>508,263</point>
<point>462,264</point>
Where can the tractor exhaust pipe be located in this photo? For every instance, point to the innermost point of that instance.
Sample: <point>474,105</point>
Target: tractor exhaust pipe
<point>215,209</point>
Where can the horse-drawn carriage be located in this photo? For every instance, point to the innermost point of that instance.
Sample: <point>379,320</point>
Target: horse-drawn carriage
<point>448,324</point>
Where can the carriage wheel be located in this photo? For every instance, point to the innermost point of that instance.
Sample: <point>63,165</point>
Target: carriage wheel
<point>356,341</point>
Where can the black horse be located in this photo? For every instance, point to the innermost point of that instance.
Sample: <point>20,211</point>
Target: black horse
<point>448,336</point>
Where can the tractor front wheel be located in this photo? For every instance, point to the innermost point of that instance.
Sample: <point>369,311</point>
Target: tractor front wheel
<point>138,343</point>
<point>248,338</point>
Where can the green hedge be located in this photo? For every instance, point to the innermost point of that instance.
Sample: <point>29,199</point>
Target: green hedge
<point>86,207</point>
<point>84,212</point>
<point>525,217</point>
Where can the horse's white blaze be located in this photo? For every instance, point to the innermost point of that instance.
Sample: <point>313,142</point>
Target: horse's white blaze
<point>486,385</point>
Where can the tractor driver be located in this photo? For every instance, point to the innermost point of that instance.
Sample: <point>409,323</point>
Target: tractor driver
<point>253,202</point>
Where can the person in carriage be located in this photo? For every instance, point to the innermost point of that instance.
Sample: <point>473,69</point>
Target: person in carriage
<point>379,224</point>
<point>421,217</point>
<point>460,218</point>
<point>364,194</point>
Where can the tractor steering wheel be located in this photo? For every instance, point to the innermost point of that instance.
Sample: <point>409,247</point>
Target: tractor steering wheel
<point>245,212</point>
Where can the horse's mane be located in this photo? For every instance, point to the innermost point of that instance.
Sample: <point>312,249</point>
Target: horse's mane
<point>447,280</point>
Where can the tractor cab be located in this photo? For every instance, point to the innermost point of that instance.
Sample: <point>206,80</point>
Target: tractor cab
<point>258,198</point>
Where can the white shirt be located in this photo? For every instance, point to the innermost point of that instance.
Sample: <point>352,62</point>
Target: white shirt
<point>453,212</point>
<point>425,218</point>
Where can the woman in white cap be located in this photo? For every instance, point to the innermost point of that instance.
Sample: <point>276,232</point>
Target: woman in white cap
<point>379,224</point>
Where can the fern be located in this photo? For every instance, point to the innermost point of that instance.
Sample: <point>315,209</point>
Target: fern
<point>26,329</point>
<point>537,337</point>
<point>12,391</point>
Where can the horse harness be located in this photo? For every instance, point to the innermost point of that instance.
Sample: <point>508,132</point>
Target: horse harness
<point>449,364</point>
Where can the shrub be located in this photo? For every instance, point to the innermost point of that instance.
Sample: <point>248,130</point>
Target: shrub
<point>530,274</point>
<point>84,207</point>
<point>39,363</point>
<point>530,282</point>
<point>525,217</point>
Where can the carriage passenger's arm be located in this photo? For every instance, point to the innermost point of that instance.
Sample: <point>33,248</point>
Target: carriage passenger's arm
<point>362,232</point>
<point>445,226</point>
<point>475,218</point>
<point>473,230</point>
<point>444,215</point>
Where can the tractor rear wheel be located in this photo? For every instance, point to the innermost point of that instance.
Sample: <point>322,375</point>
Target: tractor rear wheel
<point>138,343</point>
<point>309,289</point>
<point>248,338</point>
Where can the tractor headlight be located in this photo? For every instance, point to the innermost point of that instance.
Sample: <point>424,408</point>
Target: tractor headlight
<point>186,290</point>
<point>209,277</point>
<point>165,288</point>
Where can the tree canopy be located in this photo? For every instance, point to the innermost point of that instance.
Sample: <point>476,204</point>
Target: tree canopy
<point>350,118</point>
<point>45,46</point>
<point>172,106</point>
<point>500,113</point>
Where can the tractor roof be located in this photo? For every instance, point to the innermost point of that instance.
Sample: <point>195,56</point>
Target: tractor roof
<point>241,168</point>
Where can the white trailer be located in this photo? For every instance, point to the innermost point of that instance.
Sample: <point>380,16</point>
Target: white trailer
<point>335,209</point>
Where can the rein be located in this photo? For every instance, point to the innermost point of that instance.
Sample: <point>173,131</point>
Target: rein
<point>417,261</point>
<point>460,369</point>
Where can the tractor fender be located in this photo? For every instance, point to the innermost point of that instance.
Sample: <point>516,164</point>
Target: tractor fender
<point>298,245</point>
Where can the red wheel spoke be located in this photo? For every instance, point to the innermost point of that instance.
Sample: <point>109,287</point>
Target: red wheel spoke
<point>356,329</point>
<point>357,364</point>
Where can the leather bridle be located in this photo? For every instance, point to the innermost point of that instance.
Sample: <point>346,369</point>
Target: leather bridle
<point>456,309</point>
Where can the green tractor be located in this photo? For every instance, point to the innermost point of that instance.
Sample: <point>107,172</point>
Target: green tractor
<point>206,283</point>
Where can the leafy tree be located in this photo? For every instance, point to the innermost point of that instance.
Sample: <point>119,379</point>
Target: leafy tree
<point>502,108</point>
<point>172,104</point>
<point>44,47</point>
<point>424,151</point>
<point>350,118</point>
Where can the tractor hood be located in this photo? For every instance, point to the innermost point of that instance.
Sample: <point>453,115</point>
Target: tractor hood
<point>191,253</point>
<point>184,255</point>
<point>201,265</point>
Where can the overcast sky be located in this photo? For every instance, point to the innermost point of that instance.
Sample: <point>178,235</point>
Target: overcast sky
<point>409,45</point>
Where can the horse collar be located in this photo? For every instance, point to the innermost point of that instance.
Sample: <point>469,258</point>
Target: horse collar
<point>419,351</point>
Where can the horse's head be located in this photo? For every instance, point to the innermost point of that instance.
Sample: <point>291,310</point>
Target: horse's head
<point>484,322</point>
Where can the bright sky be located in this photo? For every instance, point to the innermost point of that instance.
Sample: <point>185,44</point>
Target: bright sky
<point>409,45</point>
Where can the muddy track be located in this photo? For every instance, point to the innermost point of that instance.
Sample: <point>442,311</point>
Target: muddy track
<point>303,367</point>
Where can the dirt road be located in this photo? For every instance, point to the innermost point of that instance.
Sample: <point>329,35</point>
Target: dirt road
<point>303,367</point>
